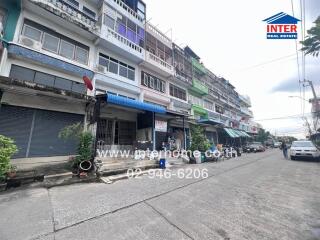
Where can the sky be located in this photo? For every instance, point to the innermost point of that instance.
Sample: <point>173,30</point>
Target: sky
<point>230,38</point>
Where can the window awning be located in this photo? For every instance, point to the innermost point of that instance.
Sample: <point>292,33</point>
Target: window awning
<point>210,121</point>
<point>130,103</point>
<point>231,133</point>
<point>236,133</point>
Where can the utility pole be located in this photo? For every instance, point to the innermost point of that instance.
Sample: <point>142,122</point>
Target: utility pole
<point>315,106</point>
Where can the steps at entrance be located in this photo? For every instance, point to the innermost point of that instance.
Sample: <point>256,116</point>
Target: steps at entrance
<point>109,166</point>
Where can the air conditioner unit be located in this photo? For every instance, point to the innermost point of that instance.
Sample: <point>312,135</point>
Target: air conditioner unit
<point>30,43</point>
<point>101,69</point>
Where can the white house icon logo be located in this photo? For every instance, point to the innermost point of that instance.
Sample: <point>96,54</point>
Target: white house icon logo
<point>282,26</point>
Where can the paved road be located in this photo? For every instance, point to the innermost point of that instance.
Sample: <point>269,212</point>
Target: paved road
<point>257,196</point>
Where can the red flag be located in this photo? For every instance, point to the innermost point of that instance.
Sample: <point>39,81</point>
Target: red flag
<point>88,83</point>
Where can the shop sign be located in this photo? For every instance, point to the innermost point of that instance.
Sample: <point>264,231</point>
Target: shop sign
<point>161,126</point>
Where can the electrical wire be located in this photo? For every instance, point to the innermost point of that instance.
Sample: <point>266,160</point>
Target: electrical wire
<point>298,64</point>
<point>285,117</point>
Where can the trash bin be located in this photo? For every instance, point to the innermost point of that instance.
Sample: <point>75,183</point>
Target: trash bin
<point>162,163</point>
<point>203,157</point>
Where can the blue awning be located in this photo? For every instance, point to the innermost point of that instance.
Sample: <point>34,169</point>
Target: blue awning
<point>210,121</point>
<point>130,103</point>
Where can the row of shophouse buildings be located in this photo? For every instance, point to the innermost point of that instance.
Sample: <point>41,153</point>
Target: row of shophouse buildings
<point>150,90</point>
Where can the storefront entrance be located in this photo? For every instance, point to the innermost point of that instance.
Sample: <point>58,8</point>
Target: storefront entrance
<point>116,132</point>
<point>36,131</point>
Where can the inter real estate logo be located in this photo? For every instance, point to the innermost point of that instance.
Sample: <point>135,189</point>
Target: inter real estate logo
<point>282,26</point>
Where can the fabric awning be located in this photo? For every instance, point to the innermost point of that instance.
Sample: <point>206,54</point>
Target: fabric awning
<point>130,103</point>
<point>231,133</point>
<point>210,121</point>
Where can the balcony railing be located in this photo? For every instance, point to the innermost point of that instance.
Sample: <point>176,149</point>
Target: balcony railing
<point>124,40</point>
<point>68,13</point>
<point>198,66</point>
<point>159,61</point>
<point>127,9</point>
<point>162,37</point>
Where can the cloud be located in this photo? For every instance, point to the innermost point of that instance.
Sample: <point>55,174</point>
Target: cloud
<point>291,84</point>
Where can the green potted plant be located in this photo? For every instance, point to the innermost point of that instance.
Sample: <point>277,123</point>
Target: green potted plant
<point>7,150</point>
<point>12,173</point>
<point>82,162</point>
<point>199,142</point>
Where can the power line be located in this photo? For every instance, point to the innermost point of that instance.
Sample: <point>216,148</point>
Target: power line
<point>298,64</point>
<point>268,62</point>
<point>283,117</point>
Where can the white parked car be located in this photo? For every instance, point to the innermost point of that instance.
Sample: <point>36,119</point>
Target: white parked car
<point>277,144</point>
<point>303,149</point>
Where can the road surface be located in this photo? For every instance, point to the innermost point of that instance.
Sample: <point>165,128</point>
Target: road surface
<point>257,196</point>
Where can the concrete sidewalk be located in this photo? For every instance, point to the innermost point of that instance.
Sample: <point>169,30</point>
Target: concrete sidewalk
<point>257,196</point>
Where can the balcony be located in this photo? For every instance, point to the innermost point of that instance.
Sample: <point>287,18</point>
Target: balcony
<point>117,43</point>
<point>245,99</point>
<point>198,66</point>
<point>199,111</point>
<point>158,65</point>
<point>126,11</point>
<point>246,111</point>
<point>199,88</point>
<point>65,12</point>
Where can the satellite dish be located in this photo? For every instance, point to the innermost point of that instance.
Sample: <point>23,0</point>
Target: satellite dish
<point>88,83</point>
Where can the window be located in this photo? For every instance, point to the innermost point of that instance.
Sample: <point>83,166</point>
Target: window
<point>125,27</point>
<point>50,43</point>
<point>21,73</point>
<point>113,66</point>
<point>145,79</point>
<point>44,79</point>
<point>88,12</point>
<point>178,92</point>
<point>152,82</point>
<point>109,21</point>
<point>208,105</point>
<point>32,33</point>
<point>67,49</point>
<point>81,55</point>
<point>25,74</point>
<point>163,87</point>
<point>123,70</point>
<point>104,62</point>
<point>73,3</point>
<point>131,73</point>
<point>117,67</point>
<point>56,43</point>
<point>219,109</point>
<point>141,10</point>
<point>62,83</point>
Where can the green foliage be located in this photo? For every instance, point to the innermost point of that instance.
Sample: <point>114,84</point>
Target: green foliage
<point>73,131</point>
<point>85,147</point>
<point>311,45</point>
<point>262,136</point>
<point>85,139</point>
<point>199,140</point>
<point>7,149</point>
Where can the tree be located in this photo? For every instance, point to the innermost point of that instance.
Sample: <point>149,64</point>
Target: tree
<point>262,135</point>
<point>199,140</point>
<point>311,45</point>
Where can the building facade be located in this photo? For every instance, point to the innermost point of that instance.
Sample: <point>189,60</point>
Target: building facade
<point>152,89</point>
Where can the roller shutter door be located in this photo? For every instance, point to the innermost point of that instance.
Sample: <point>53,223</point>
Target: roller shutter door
<point>36,131</point>
<point>15,122</point>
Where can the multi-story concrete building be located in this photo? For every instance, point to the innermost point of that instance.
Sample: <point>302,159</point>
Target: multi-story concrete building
<point>152,90</point>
